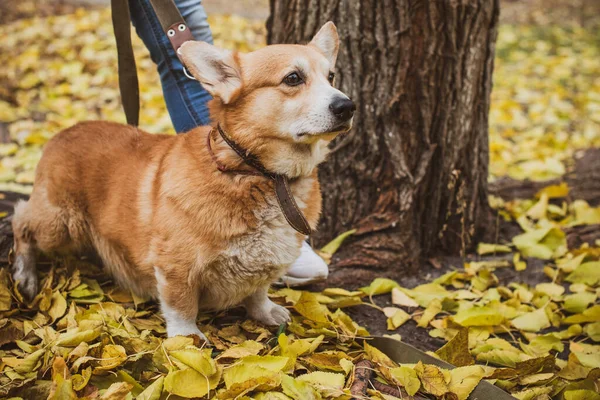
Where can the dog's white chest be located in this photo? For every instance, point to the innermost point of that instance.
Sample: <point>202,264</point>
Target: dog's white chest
<point>273,245</point>
<point>258,258</point>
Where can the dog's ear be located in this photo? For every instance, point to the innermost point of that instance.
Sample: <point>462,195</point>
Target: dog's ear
<point>327,42</point>
<point>216,69</point>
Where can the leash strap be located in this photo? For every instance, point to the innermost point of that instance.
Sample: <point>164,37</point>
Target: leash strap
<point>172,23</point>
<point>284,195</point>
<point>128,79</point>
<point>403,353</point>
<point>174,27</point>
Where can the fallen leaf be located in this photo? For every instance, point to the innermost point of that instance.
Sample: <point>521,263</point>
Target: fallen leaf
<point>533,321</point>
<point>432,379</point>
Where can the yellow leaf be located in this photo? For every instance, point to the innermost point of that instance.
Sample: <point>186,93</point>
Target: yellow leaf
<point>574,370</point>
<point>327,360</point>
<point>588,273</point>
<point>298,390</point>
<point>80,381</point>
<point>329,384</point>
<point>112,356</point>
<point>293,348</point>
<point>456,351</point>
<point>268,381</point>
<point>593,331</point>
<point>552,290</point>
<point>247,348</point>
<point>74,337</point>
<point>406,377</point>
<point>177,343</point>
<point>502,357</point>
<point>587,354</point>
<point>396,317</point>
<point>591,314</point>
<point>399,298</point>
<point>424,294</point>
<point>379,286</point>
<point>252,367</point>
<point>465,379</point>
<point>331,247</point>
<point>190,383</point>
<point>29,363</point>
<point>554,191</point>
<point>478,316</point>
<point>5,296</point>
<point>153,391</point>
<point>519,265</point>
<point>310,308</point>
<point>433,309</point>
<point>117,391</point>
<point>533,321</point>
<point>581,394</point>
<point>584,214</point>
<point>341,292</point>
<point>487,248</point>
<point>432,379</point>
<point>544,243</point>
<point>568,264</point>
<point>62,387</point>
<point>346,365</point>
<point>539,210</point>
<point>58,306</point>
<point>200,360</point>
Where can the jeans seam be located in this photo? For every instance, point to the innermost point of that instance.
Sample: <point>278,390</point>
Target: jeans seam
<point>165,53</point>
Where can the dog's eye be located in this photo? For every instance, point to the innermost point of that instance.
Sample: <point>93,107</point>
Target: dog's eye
<point>331,77</point>
<point>293,79</point>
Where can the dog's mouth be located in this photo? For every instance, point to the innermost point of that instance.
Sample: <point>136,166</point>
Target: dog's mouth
<point>331,133</point>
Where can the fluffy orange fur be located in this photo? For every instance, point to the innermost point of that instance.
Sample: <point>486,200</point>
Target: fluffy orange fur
<point>150,200</point>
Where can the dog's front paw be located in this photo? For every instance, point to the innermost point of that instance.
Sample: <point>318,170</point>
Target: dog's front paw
<point>280,315</point>
<point>270,313</point>
<point>185,330</point>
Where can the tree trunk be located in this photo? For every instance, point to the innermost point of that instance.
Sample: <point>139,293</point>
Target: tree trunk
<point>411,176</point>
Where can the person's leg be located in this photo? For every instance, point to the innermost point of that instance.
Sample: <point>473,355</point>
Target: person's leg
<point>308,268</point>
<point>186,99</point>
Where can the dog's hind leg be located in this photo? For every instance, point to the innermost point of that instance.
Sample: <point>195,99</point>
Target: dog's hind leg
<point>39,225</point>
<point>179,306</point>
<point>24,271</point>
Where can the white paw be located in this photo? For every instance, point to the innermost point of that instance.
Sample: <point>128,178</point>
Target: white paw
<point>27,278</point>
<point>270,313</point>
<point>185,331</point>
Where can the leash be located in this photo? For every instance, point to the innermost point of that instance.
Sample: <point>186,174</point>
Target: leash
<point>174,27</point>
<point>403,353</point>
<point>285,198</point>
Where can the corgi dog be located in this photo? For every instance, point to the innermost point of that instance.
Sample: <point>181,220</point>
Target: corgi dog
<point>188,219</point>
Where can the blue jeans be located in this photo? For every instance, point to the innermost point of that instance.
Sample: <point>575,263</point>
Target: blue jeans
<point>186,99</point>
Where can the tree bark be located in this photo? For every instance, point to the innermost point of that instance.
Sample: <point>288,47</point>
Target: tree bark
<point>411,176</point>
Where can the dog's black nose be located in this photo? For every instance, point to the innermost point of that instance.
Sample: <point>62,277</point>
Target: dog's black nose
<point>343,108</point>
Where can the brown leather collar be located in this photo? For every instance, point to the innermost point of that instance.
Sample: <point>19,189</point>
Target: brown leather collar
<point>284,196</point>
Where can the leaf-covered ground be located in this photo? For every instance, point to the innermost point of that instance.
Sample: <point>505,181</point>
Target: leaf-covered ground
<point>84,338</point>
